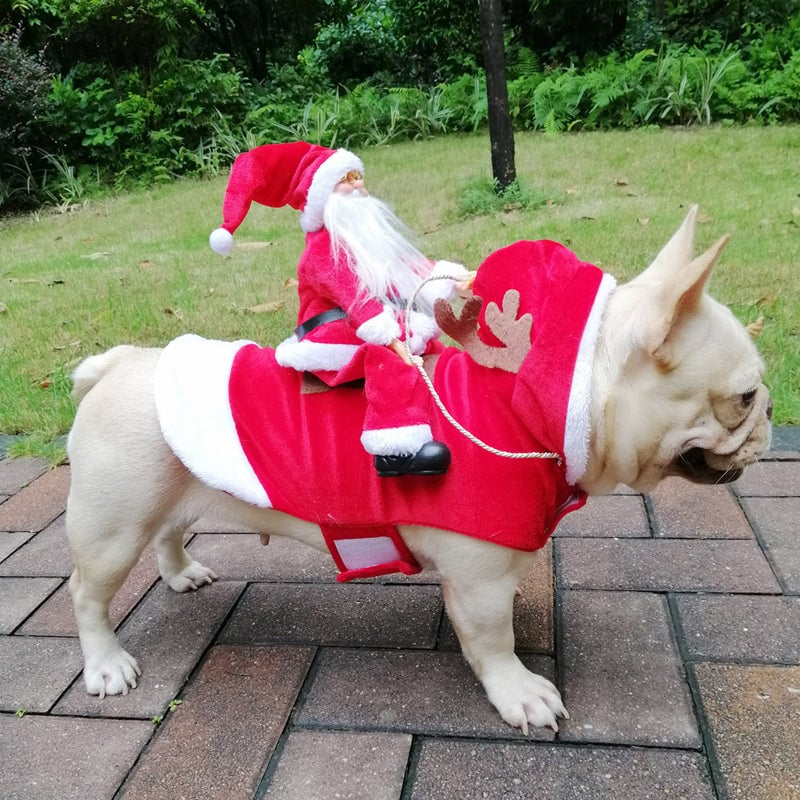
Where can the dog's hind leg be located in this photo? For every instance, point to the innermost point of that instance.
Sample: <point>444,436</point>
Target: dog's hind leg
<point>103,560</point>
<point>178,569</point>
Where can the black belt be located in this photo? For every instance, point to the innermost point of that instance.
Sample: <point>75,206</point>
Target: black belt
<point>331,315</point>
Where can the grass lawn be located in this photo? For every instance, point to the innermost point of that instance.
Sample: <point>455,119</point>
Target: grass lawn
<point>137,268</point>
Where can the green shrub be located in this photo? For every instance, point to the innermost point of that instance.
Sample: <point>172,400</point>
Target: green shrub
<point>24,85</point>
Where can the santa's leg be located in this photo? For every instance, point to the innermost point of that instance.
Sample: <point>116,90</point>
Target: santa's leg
<point>397,430</point>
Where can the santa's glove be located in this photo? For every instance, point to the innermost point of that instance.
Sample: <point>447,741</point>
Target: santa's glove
<point>420,329</point>
<point>444,289</point>
<point>383,328</point>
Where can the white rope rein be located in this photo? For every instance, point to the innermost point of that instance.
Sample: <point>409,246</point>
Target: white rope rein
<point>417,361</point>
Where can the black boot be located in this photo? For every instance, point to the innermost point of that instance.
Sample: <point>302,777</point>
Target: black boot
<point>433,458</point>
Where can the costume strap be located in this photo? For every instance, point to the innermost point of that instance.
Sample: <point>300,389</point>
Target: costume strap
<point>331,315</point>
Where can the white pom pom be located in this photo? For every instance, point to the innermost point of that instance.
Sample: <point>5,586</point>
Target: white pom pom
<point>221,241</point>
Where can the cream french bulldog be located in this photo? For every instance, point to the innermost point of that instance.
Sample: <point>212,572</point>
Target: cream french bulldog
<point>672,385</point>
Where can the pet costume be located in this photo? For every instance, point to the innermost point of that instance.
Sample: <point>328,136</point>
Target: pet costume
<point>239,421</point>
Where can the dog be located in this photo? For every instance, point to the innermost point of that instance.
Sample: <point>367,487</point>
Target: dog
<point>672,385</point>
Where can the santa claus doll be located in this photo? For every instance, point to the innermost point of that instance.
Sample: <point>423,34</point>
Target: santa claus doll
<point>355,276</point>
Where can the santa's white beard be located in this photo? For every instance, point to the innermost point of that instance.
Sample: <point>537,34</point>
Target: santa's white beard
<point>369,235</point>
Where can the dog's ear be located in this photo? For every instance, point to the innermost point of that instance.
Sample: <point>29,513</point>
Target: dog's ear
<point>676,253</point>
<point>678,297</point>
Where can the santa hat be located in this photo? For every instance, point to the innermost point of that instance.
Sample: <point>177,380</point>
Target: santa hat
<point>297,174</point>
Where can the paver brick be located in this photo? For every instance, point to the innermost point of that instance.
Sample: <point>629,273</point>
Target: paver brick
<point>740,627</point>
<point>428,692</point>
<point>687,510</point>
<point>340,764</point>
<point>680,565</point>
<point>769,479</point>
<point>9,542</point>
<point>18,472</point>
<point>776,522</point>
<point>449,769</point>
<point>68,758</point>
<point>38,504</point>
<point>34,672</point>
<point>607,515</point>
<point>166,634</point>
<point>217,743</point>
<point>623,677</point>
<point>20,596</point>
<point>45,554</point>
<point>753,713</point>
<point>354,614</point>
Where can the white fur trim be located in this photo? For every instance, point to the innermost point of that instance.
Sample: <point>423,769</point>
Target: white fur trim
<point>420,329</point>
<point>325,180</point>
<point>380,329</point>
<point>313,356</point>
<point>191,392</point>
<point>400,441</point>
<point>577,429</point>
<point>221,241</point>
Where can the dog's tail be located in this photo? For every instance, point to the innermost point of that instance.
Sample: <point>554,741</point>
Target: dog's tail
<point>92,369</point>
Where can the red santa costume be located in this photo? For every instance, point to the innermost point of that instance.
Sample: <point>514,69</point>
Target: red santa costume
<point>238,421</point>
<point>344,325</point>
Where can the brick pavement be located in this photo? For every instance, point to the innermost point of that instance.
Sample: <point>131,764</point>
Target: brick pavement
<point>671,623</point>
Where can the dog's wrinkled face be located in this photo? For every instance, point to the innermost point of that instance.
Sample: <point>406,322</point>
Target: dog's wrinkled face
<point>685,393</point>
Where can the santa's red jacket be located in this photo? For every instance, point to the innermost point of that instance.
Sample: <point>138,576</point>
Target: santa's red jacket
<point>240,422</point>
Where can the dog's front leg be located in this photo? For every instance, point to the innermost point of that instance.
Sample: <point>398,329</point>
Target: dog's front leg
<point>482,616</point>
<point>479,580</point>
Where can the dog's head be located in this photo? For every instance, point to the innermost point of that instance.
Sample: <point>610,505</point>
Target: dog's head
<point>679,386</point>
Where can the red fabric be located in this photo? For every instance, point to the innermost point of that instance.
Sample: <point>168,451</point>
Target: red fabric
<point>306,452</point>
<point>274,175</point>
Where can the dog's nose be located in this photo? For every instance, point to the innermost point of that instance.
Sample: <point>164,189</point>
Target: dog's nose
<point>769,410</point>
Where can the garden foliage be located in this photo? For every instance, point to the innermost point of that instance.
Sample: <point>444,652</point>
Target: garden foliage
<point>129,93</point>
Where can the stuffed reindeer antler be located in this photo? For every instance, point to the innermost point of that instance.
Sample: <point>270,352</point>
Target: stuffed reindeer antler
<point>514,333</point>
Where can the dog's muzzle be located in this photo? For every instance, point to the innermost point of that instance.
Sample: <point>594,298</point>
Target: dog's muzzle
<point>693,466</point>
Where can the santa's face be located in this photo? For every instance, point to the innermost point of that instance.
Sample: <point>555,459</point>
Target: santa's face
<point>352,183</point>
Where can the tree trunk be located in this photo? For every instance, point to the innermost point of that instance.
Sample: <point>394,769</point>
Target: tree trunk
<point>501,134</point>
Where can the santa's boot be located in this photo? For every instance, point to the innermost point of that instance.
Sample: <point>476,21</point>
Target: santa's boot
<point>433,458</point>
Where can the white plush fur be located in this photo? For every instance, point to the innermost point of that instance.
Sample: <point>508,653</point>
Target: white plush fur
<point>670,369</point>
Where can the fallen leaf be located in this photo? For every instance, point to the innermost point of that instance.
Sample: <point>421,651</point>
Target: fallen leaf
<point>253,245</point>
<point>767,300</point>
<point>643,220</point>
<point>175,312</point>
<point>755,328</point>
<point>572,190</point>
<point>620,182</point>
<point>290,282</point>
<point>45,384</point>
<point>145,264</point>
<point>265,308</point>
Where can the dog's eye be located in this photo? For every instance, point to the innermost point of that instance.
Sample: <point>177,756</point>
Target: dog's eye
<point>748,397</point>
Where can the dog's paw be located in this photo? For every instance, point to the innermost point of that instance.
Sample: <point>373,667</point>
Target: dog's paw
<point>190,578</point>
<point>114,674</point>
<point>523,698</point>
